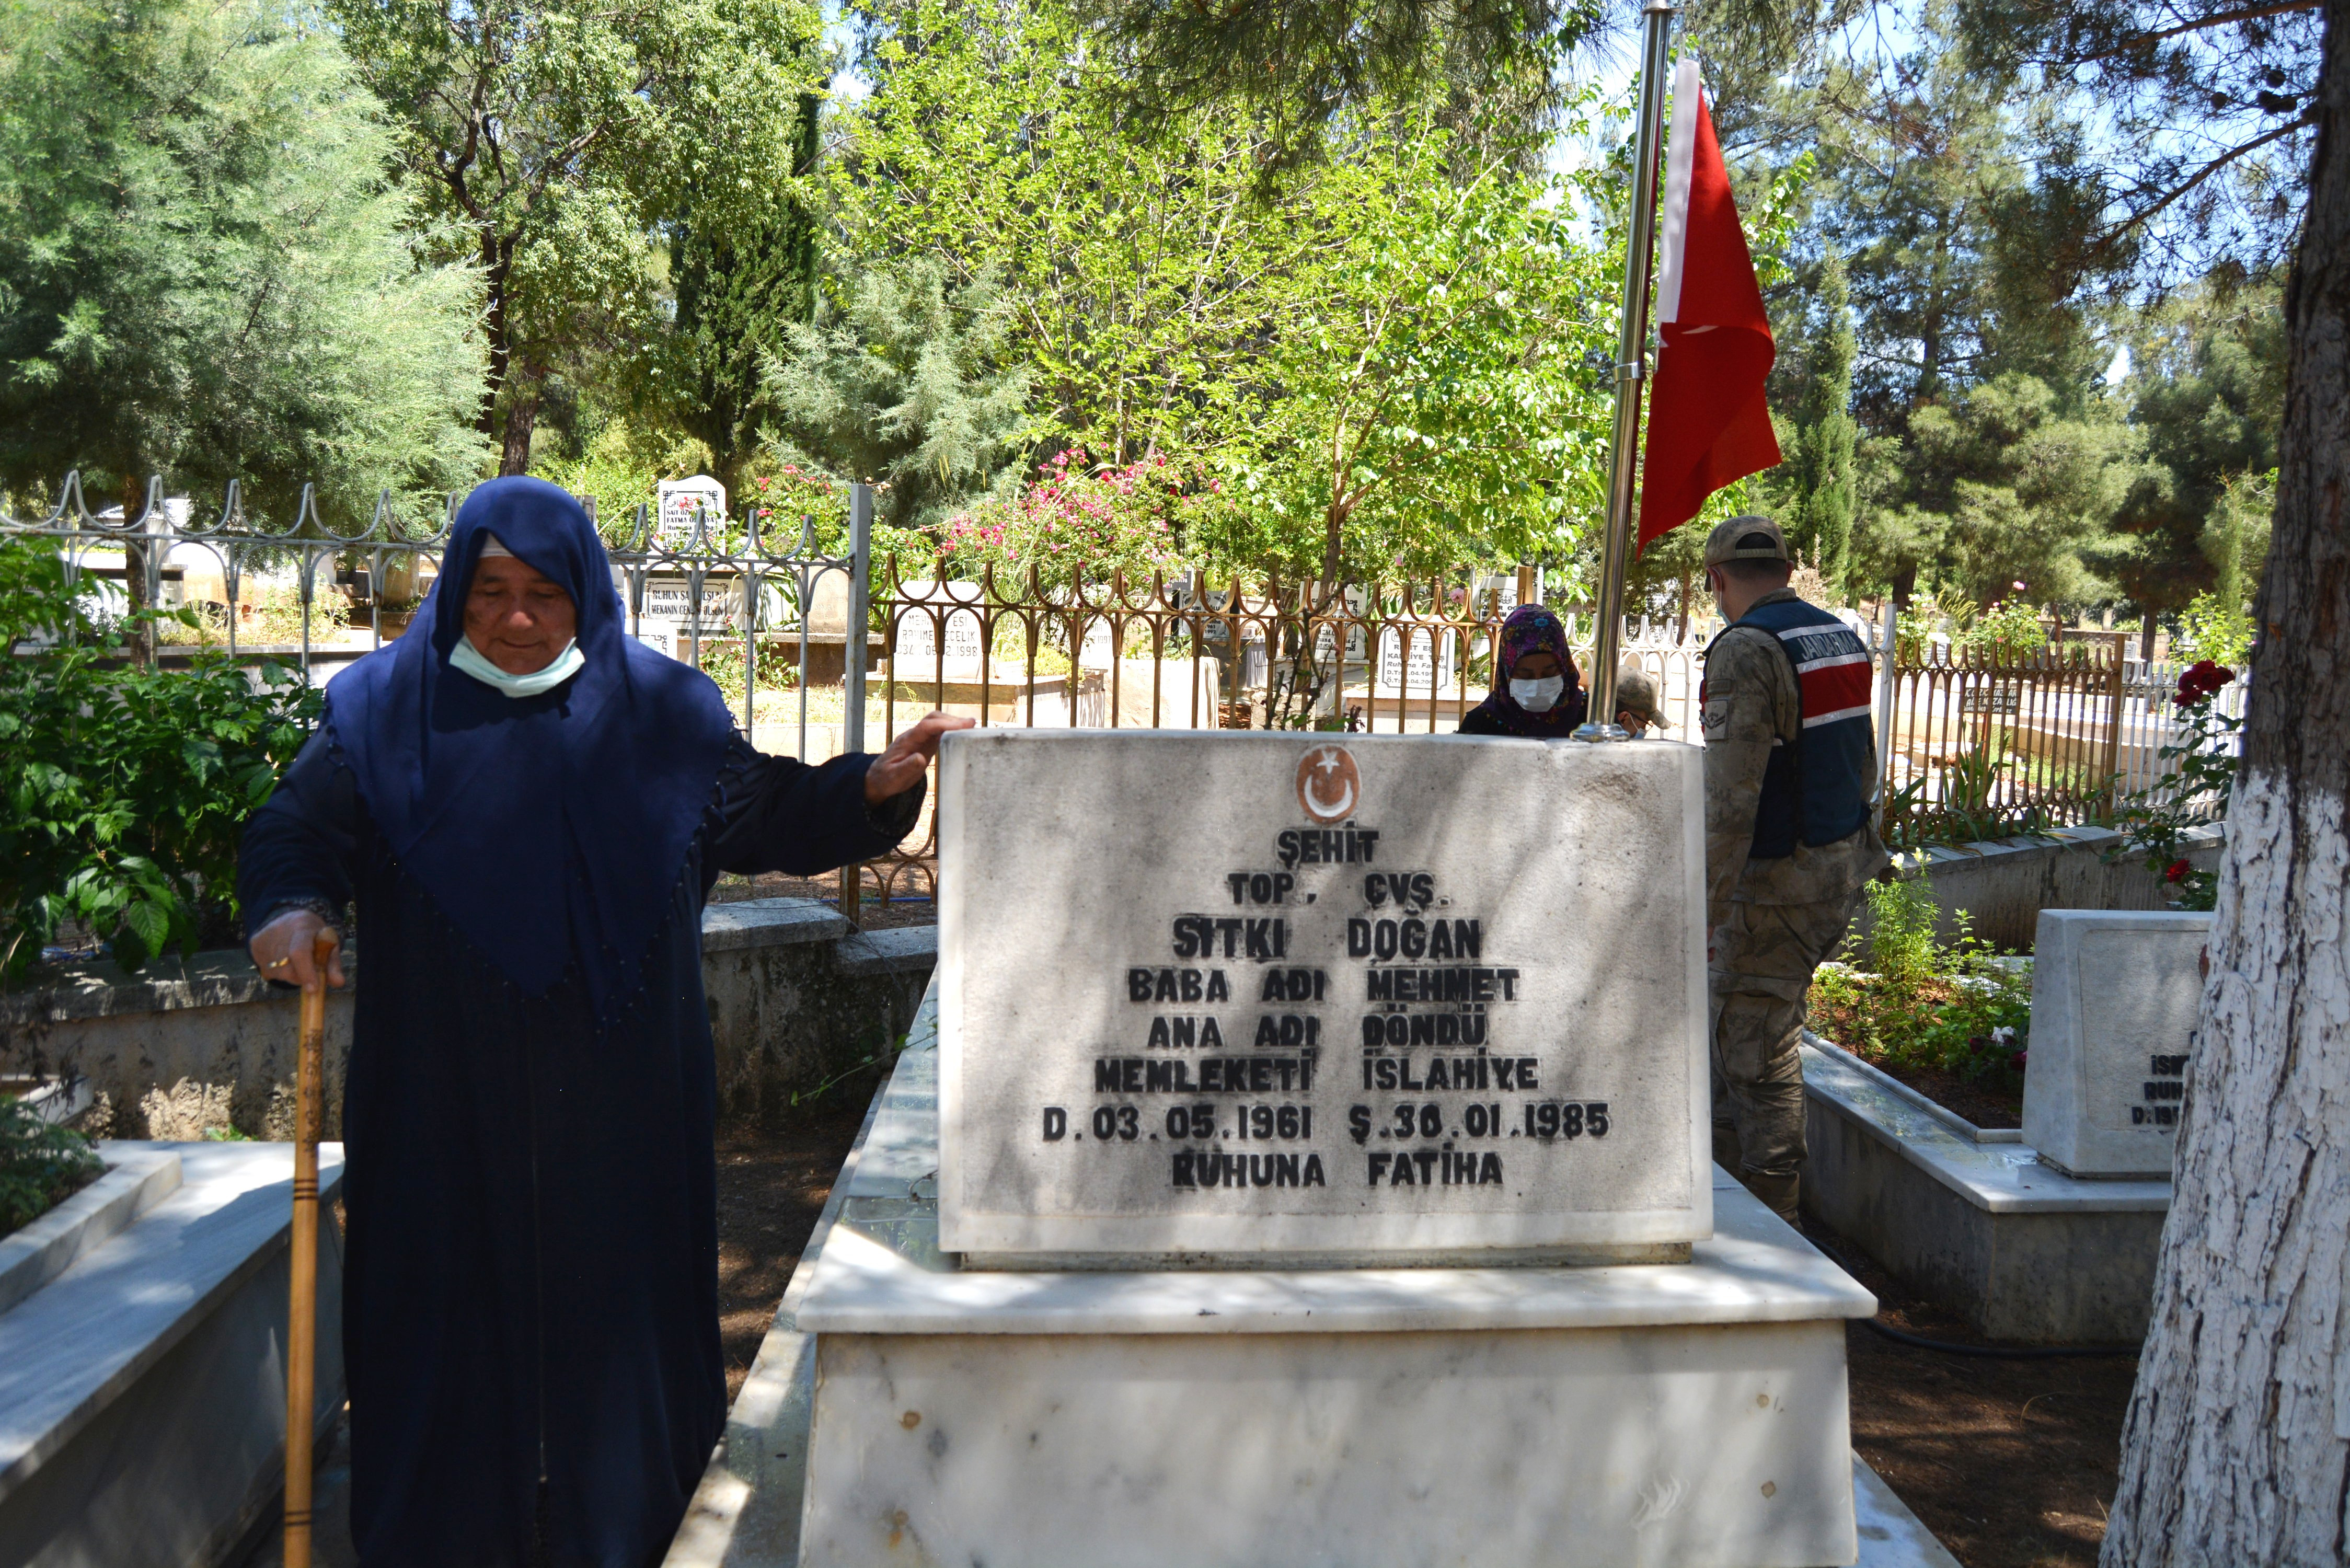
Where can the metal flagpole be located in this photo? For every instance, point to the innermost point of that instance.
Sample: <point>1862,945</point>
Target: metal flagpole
<point>1631,372</point>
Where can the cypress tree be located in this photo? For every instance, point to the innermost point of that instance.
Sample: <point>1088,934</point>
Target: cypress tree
<point>1824,480</point>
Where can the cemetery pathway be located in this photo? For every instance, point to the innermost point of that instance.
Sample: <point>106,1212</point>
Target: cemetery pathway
<point>2011,1464</point>
<point>772,1184</point>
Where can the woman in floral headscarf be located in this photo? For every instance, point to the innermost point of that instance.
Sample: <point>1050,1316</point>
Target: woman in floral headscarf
<point>1537,693</point>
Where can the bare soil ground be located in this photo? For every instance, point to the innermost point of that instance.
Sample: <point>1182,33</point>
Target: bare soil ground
<point>772,1186</point>
<point>2012,1464</point>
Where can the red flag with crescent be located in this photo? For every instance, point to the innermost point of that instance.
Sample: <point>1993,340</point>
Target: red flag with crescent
<point>1708,422</point>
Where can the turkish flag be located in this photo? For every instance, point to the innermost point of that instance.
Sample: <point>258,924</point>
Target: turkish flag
<point>1707,423</point>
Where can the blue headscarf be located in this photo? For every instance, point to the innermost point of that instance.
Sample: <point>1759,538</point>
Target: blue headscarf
<point>552,829</point>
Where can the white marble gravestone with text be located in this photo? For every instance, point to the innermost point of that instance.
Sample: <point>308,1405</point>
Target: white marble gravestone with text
<point>2115,996</point>
<point>1279,997</point>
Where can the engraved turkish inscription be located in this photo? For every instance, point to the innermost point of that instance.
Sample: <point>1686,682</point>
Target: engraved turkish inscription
<point>1281,993</point>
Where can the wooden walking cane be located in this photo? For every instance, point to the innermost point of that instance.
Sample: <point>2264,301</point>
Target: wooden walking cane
<point>302,1307</point>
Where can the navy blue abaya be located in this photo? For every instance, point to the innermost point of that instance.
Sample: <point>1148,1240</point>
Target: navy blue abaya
<point>532,1262</point>
<point>530,1314</point>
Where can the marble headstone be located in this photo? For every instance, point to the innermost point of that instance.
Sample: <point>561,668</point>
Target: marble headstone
<point>2114,995</point>
<point>1264,997</point>
<point>684,503</point>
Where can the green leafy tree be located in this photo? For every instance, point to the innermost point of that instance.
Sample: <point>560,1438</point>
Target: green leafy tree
<point>740,289</point>
<point>2020,491</point>
<point>1381,354</point>
<point>202,269</point>
<point>1300,65</point>
<point>2206,389</point>
<point>548,139</point>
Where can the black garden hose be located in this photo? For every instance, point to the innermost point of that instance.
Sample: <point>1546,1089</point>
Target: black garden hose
<point>1991,1352</point>
<point>1953,1347</point>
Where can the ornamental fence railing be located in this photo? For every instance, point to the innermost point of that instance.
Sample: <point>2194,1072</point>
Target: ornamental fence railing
<point>1972,745</point>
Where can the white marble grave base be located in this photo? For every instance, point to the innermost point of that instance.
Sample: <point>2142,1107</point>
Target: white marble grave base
<point>1690,1446</point>
<point>747,1511</point>
<point>1684,1414</point>
<point>1979,1224</point>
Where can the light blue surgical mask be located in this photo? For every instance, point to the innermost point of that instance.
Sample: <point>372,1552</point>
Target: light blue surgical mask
<point>1537,695</point>
<point>560,668</point>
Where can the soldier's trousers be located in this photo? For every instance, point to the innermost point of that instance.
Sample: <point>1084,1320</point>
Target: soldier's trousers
<point>1762,976</point>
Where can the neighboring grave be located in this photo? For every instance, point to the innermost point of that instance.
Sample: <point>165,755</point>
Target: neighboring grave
<point>2114,995</point>
<point>1428,666</point>
<point>667,622</point>
<point>679,502</point>
<point>1277,998</point>
<point>923,611</point>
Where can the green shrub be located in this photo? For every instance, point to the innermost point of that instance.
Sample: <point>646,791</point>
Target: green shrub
<point>1902,945</point>
<point>123,791</point>
<point>1924,1002</point>
<point>40,1165</point>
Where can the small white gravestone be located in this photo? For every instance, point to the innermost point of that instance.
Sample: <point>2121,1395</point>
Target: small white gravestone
<point>681,502</point>
<point>1428,664</point>
<point>1260,996</point>
<point>920,612</point>
<point>1095,650</point>
<point>669,616</point>
<point>2114,995</point>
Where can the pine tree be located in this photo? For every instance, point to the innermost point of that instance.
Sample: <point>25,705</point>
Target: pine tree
<point>907,383</point>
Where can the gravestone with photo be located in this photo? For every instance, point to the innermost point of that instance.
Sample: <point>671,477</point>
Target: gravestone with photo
<point>2114,995</point>
<point>1304,1143</point>
<point>682,505</point>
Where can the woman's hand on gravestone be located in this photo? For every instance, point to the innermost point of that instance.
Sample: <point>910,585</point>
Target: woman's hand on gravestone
<point>900,767</point>
<point>284,950</point>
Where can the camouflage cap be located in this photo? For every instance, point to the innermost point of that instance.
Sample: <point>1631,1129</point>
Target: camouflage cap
<point>1748,538</point>
<point>1637,694</point>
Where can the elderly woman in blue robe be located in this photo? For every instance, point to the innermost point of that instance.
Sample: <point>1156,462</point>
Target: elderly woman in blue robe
<point>528,808</point>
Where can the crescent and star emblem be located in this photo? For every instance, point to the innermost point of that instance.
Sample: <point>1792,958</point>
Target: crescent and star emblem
<point>1328,783</point>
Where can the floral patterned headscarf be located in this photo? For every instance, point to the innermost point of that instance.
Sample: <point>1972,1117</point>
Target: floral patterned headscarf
<point>1530,628</point>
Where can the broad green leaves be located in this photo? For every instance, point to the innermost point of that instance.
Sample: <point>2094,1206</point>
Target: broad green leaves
<point>123,791</point>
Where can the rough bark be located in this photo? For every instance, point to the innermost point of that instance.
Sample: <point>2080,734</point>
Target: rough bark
<point>522,422</point>
<point>2237,1449</point>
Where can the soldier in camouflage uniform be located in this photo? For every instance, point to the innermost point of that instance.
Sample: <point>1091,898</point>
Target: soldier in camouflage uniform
<point>1790,767</point>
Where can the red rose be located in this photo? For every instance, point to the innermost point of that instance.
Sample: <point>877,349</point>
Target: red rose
<point>2178,872</point>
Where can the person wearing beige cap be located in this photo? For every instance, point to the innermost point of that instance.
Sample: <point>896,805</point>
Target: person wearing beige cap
<point>1789,759</point>
<point>1636,708</point>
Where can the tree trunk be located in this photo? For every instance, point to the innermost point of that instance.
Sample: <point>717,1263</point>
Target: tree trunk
<point>2237,1449</point>
<point>2145,637</point>
<point>521,419</point>
<point>1904,586</point>
<point>497,264</point>
<point>142,640</point>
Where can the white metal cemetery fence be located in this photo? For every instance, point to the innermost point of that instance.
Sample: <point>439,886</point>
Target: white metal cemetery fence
<point>1970,744</point>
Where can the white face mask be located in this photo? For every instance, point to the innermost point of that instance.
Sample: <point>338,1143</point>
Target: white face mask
<point>560,668</point>
<point>1537,695</point>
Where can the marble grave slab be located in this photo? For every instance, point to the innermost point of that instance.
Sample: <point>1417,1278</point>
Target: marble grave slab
<point>1300,999</point>
<point>2114,999</point>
